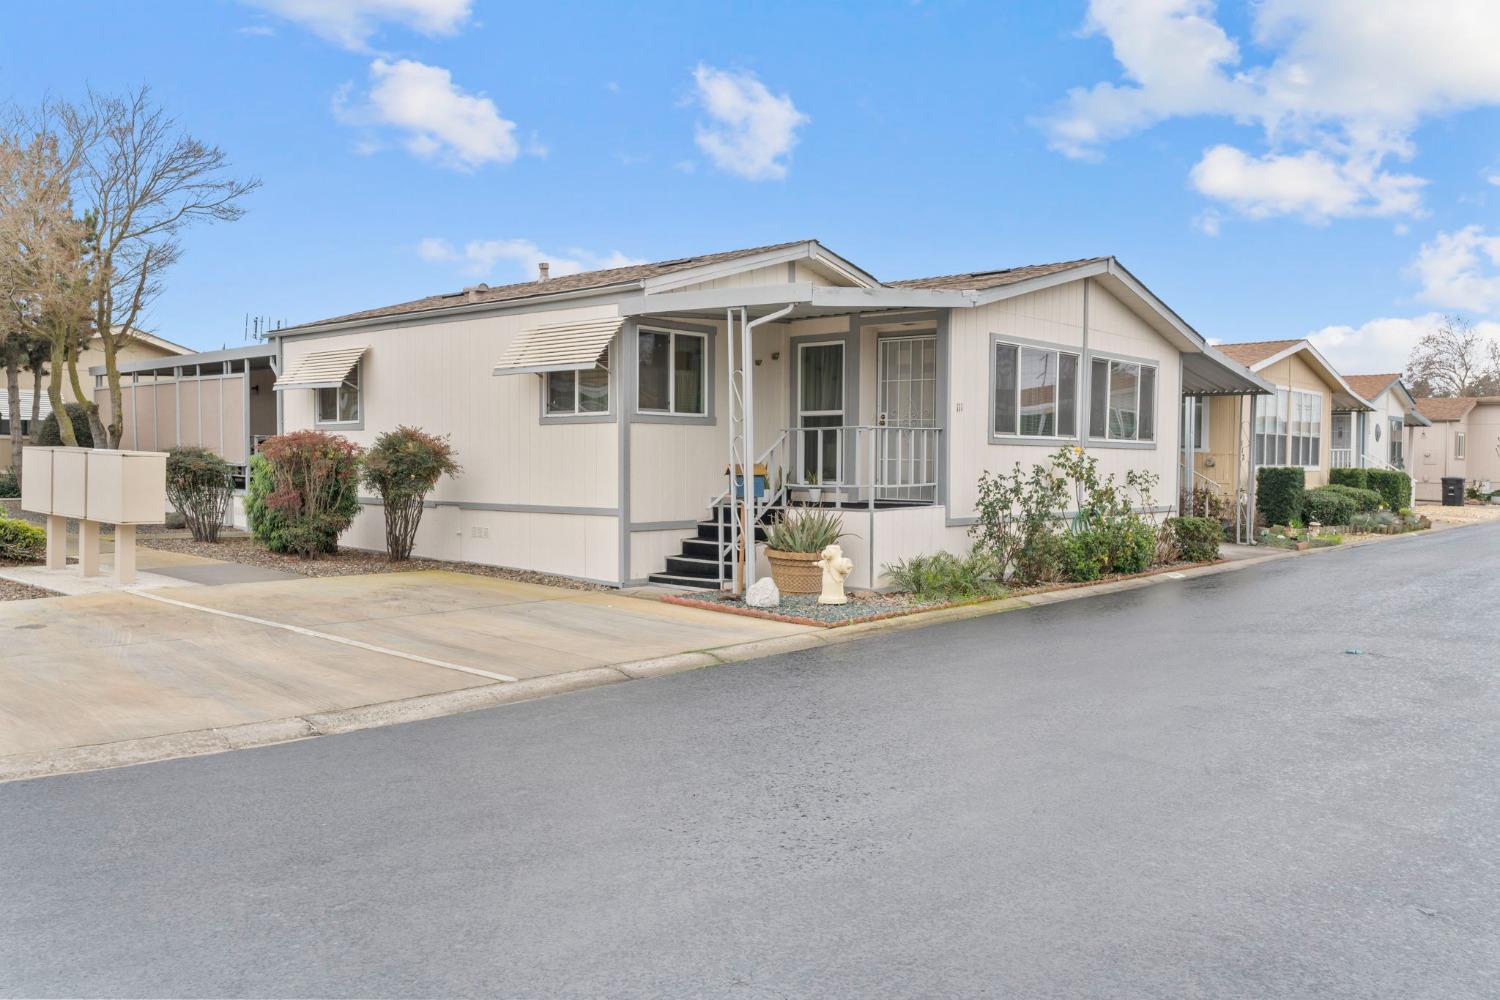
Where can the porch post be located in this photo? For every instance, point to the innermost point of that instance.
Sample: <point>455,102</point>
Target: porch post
<point>747,425</point>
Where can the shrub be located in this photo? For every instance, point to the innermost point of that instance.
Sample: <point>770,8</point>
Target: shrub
<point>1357,478</point>
<point>402,468</point>
<point>1205,501</point>
<point>1131,544</point>
<point>807,529</point>
<point>1393,485</point>
<point>78,415</point>
<point>21,541</point>
<point>945,576</point>
<point>1017,516</point>
<point>1365,501</point>
<point>1378,522</point>
<point>1085,555</point>
<point>199,485</point>
<point>1278,493</point>
<point>10,486</point>
<point>1327,507</point>
<point>1196,539</point>
<point>303,492</point>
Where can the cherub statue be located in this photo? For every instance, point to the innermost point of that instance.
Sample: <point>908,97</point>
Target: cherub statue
<point>835,569</point>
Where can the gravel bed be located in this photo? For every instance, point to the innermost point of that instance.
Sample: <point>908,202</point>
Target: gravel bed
<point>240,548</point>
<point>12,591</point>
<point>861,606</point>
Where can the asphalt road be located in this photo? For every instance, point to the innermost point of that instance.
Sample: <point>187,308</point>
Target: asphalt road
<point>1279,782</point>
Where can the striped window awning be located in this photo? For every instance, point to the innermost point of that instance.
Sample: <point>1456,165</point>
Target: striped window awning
<point>561,347</point>
<point>321,369</point>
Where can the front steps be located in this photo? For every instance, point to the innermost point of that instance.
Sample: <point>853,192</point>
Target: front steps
<point>697,565</point>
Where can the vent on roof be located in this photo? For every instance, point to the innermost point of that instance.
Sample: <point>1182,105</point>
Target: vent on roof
<point>541,270</point>
<point>471,294</point>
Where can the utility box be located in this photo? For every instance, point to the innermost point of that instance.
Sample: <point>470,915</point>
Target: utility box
<point>1453,491</point>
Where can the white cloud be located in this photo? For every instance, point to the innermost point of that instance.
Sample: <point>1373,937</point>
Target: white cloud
<point>1208,222</point>
<point>752,130</point>
<point>437,119</point>
<point>1346,85</point>
<point>1309,184</point>
<point>352,23</point>
<point>1382,345</point>
<point>481,258</point>
<point>1460,271</point>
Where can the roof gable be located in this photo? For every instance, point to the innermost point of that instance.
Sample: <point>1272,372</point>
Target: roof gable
<point>1443,409</point>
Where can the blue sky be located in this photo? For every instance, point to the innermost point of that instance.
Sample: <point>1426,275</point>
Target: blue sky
<point>1274,171</point>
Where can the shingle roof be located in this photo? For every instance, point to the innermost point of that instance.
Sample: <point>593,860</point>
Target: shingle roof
<point>1370,386</point>
<point>580,281</point>
<point>977,280</point>
<point>1446,408</point>
<point>1253,351</point>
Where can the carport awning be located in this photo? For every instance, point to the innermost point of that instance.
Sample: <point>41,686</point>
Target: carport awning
<point>561,347</point>
<point>321,369</point>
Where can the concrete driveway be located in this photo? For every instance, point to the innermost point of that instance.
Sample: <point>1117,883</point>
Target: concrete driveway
<point>100,668</point>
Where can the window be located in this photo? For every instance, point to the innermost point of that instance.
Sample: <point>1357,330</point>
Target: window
<point>341,405</point>
<point>671,374</point>
<point>578,393</point>
<point>1197,431</point>
<point>1397,445</point>
<point>1122,401</point>
<point>1460,445</point>
<point>1289,429</point>
<point>1036,392</point>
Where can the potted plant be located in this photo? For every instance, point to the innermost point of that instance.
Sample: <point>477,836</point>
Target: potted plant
<point>814,490</point>
<point>794,541</point>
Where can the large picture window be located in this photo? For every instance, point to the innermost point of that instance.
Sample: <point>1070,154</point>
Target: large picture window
<point>1122,401</point>
<point>672,373</point>
<point>1289,429</point>
<point>579,393</point>
<point>340,404</point>
<point>1036,392</point>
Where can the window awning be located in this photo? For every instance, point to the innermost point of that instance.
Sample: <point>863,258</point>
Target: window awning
<point>561,347</point>
<point>321,369</point>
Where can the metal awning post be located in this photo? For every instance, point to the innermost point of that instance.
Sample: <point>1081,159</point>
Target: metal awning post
<point>1239,450</point>
<point>747,449</point>
<point>1250,474</point>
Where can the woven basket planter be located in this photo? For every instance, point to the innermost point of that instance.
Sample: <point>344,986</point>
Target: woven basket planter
<point>796,572</point>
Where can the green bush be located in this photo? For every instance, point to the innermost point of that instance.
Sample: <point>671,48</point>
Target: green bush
<point>1378,522</point>
<point>1393,485</point>
<point>49,436</point>
<point>1131,544</point>
<point>303,492</point>
<point>1196,539</point>
<point>1357,478</point>
<point>1327,506</point>
<point>944,576</point>
<point>1278,493</point>
<point>402,468</point>
<point>21,541</point>
<point>1365,501</point>
<point>10,486</point>
<point>199,485</point>
<point>1085,555</point>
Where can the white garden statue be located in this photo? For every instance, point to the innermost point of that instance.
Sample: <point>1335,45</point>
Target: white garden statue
<point>835,569</point>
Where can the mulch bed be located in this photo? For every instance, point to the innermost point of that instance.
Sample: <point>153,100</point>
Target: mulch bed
<point>12,591</point>
<point>240,548</point>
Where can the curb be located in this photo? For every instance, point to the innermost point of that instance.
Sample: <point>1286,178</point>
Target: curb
<point>198,743</point>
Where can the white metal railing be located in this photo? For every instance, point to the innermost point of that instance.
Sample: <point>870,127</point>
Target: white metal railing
<point>727,513</point>
<point>865,465</point>
<point>1341,458</point>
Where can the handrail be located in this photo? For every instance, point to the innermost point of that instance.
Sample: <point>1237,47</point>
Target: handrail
<point>775,494</point>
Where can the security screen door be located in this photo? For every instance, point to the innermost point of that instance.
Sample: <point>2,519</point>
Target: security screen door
<point>907,398</point>
<point>820,410</point>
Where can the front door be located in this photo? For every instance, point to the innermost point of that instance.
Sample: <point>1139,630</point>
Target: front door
<point>820,411</point>
<point>1343,440</point>
<point>907,410</point>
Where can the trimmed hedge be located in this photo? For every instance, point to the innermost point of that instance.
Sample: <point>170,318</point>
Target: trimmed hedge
<point>1278,493</point>
<point>1365,501</point>
<point>1196,538</point>
<point>21,541</point>
<point>1393,486</point>
<point>1327,505</point>
<point>10,486</point>
<point>49,436</point>
<point>1357,478</point>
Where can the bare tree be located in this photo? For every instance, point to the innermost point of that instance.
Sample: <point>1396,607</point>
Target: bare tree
<point>1454,360</point>
<point>146,181</point>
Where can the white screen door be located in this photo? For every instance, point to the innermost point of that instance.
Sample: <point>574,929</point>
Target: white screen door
<point>907,400</point>
<point>820,410</point>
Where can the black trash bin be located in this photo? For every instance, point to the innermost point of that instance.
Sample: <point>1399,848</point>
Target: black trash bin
<point>1453,491</point>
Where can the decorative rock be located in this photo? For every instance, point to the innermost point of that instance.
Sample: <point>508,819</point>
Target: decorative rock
<point>763,594</point>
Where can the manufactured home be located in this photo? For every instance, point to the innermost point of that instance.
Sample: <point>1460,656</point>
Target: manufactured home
<point>1461,439</point>
<point>1376,438</point>
<point>605,419</point>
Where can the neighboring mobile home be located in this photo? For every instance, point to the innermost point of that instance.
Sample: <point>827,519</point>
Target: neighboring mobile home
<point>1463,440</point>
<point>597,415</point>
<point>1376,438</point>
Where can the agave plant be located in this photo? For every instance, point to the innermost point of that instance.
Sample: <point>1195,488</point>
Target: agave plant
<point>804,530</point>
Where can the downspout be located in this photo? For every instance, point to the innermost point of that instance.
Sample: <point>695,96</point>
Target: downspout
<point>747,431</point>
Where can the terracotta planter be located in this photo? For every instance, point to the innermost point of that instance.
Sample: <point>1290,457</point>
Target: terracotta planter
<point>795,572</point>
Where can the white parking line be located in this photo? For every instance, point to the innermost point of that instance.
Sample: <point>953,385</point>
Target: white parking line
<point>299,630</point>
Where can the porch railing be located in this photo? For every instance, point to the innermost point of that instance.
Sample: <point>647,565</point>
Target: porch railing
<point>1342,458</point>
<point>864,465</point>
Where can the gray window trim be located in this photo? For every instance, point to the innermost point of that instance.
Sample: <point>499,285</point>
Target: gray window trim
<point>345,425</point>
<point>1079,409</point>
<point>608,416</point>
<point>710,335</point>
<point>1108,442</point>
